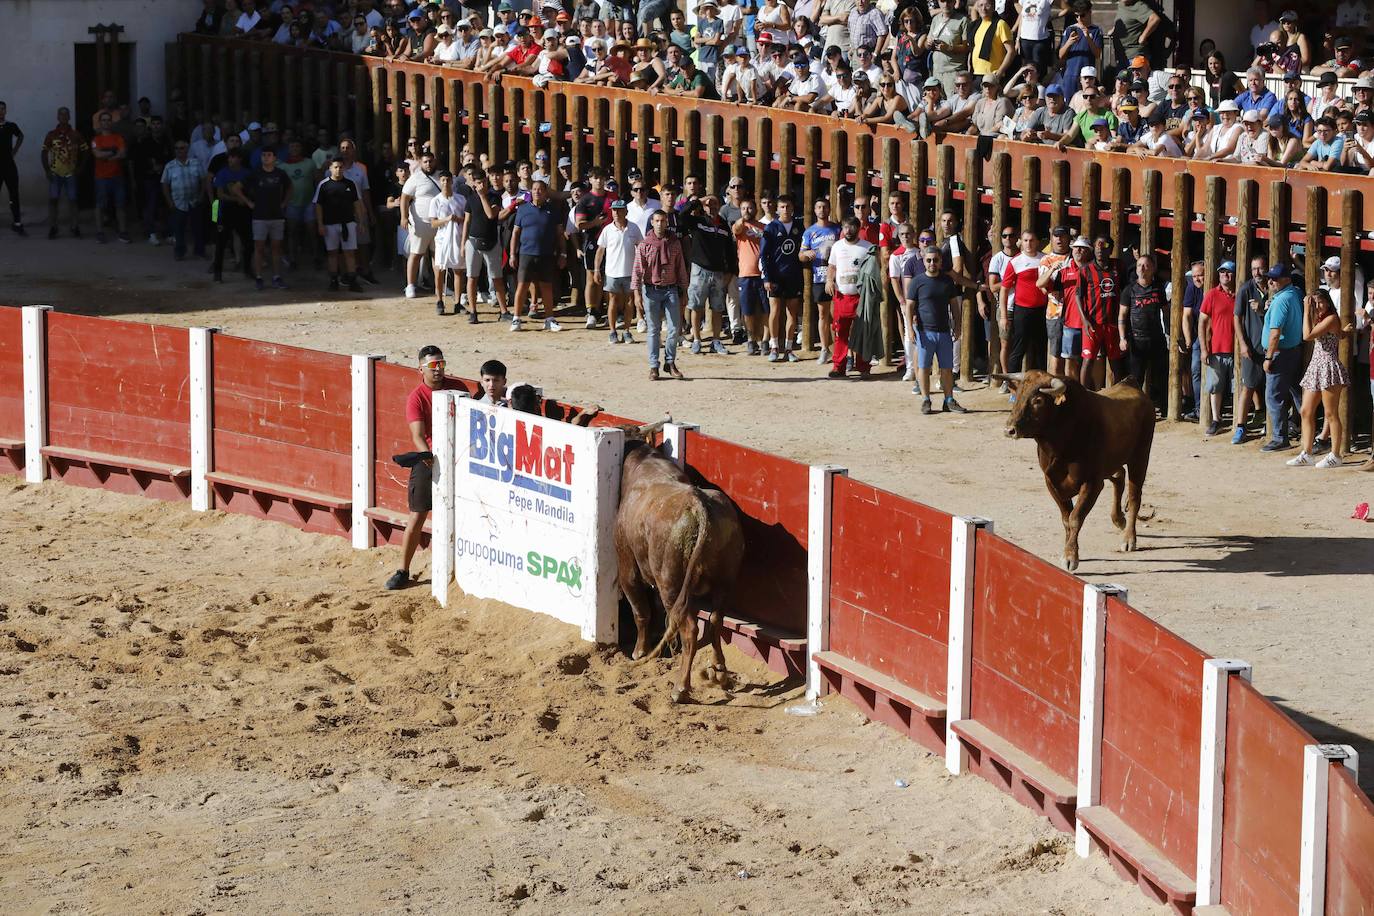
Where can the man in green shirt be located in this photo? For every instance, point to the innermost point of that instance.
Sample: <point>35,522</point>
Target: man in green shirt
<point>691,82</point>
<point>1098,109</point>
<point>300,213</point>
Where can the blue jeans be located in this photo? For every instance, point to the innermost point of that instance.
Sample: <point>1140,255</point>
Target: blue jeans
<point>180,222</point>
<point>660,306</point>
<point>1281,395</point>
<point>1197,374</point>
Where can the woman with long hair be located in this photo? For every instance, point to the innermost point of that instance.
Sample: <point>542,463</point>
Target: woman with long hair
<point>1325,378</point>
<point>1296,116</point>
<point>1081,45</point>
<point>1221,82</point>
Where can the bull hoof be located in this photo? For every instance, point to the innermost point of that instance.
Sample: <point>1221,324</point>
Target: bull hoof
<point>1128,546</point>
<point>1071,563</point>
<point>708,674</point>
<point>682,696</point>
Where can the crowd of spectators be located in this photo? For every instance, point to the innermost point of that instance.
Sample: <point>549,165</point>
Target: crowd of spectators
<point>1036,71</point>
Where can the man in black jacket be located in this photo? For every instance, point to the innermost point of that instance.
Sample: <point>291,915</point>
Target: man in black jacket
<point>711,260</point>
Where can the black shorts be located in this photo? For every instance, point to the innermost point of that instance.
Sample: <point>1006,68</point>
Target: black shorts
<point>537,268</point>
<point>419,496</point>
<point>787,289</point>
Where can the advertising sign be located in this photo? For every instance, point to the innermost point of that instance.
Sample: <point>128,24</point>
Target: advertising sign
<point>534,511</point>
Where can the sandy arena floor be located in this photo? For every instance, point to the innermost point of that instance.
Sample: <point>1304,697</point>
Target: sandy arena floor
<point>1244,557</point>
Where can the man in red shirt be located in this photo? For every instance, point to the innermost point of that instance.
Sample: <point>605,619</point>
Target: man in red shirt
<point>1029,336</point>
<point>419,407</point>
<point>1217,333</point>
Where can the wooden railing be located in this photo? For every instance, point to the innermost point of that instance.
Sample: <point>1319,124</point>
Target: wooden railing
<point>1187,208</point>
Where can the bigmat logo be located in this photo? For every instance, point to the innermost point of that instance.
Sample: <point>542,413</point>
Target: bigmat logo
<point>519,458</point>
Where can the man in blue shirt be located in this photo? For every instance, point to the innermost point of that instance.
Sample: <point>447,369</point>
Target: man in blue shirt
<point>780,264</point>
<point>815,250</point>
<point>1324,154</point>
<point>1256,96</point>
<point>1282,354</point>
<point>537,246</point>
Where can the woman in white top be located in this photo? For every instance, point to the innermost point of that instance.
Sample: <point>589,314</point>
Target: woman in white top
<point>1157,141</point>
<point>447,50</point>
<point>1220,141</point>
<point>446,212</point>
<point>775,20</point>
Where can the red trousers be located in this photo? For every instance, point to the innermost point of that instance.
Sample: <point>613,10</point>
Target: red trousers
<point>842,310</point>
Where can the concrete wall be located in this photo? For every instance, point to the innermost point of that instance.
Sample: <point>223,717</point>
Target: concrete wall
<point>38,68</point>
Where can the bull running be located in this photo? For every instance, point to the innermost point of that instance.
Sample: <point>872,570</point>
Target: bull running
<point>1084,438</point>
<point>681,541</point>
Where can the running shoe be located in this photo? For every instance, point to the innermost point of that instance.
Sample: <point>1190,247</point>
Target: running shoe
<point>278,283</point>
<point>591,322</point>
<point>1330,461</point>
<point>751,348</point>
<point>925,406</point>
<point>1303,460</point>
<point>640,326</point>
<point>792,357</point>
<point>953,405</point>
<point>719,348</point>
<point>696,347</point>
<point>515,324</point>
<point>615,337</point>
<point>399,580</point>
<point>824,357</point>
<point>1238,436</point>
<point>773,356</point>
<point>257,282</point>
<point>551,325</point>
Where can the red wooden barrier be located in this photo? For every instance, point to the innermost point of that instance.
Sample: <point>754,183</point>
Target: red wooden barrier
<point>1263,804</point>
<point>282,433</point>
<point>1151,734</point>
<point>771,494</point>
<point>889,607</point>
<point>1350,846</point>
<point>11,391</point>
<point>118,405</point>
<point>1024,681</point>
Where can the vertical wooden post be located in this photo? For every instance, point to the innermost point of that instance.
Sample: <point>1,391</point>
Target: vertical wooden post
<point>517,112</point>
<point>1121,195</point>
<point>1150,211</point>
<point>1059,194</point>
<point>341,84</point>
<point>288,91</point>
<point>207,102</point>
<point>919,203</point>
<point>737,147</point>
<point>973,202</point>
<point>381,119</point>
<point>1091,199</point>
<point>1280,221</point>
<point>667,130</point>
<point>944,186</point>
<point>226,103</point>
<point>472,103</point>
<point>324,92</point>
<point>863,165</point>
<point>1178,362</point>
<point>254,78</point>
<point>714,128</point>
<point>644,139</point>
<point>811,160</point>
<point>620,125</point>
<point>601,118</point>
<point>691,143</point>
<point>453,101</point>
<point>496,125</point>
<point>1246,249</point>
<point>1351,208</point>
<point>890,151</point>
<point>306,85</point>
<point>787,154</point>
<point>1316,228</point>
<point>1030,194</point>
<point>1211,256</point>
<point>762,133</point>
<point>839,172</point>
<point>1001,218</point>
<point>362,125</point>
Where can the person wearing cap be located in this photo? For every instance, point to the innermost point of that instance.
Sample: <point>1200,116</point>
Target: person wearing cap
<point>522,57</point>
<point>1063,278</point>
<point>1220,140</point>
<point>1087,83</point>
<point>614,266</point>
<point>932,108</point>
<point>446,50</point>
<point>1295,52</point>
<point>1156,81</point>
<point>1325,152</point>
<point>1156,140</point>
<point>1328,98</point>
<point>691,82</point>
<point>947,42</point>
<point>1283,340</point>
<point>1081,43</point>
<point>709,39</point>
<point>1131,127</point>
<point>1216,334</point>
<point>1253,145</point>
<point>740,81</point>
<point>990,110</point>
<point>1359,149</point>
<point>1257,96</point>
<point>1058,120</point>
<point>1138,29</point>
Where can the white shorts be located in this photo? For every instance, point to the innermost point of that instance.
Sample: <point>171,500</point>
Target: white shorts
<point>421,239</point>
<point>269,230</point>
<point>341,237</point>
<point>475,257</point>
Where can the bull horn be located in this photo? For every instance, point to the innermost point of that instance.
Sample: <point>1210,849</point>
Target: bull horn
<point>644,432</point>
<point>1011,377</point>
<point>1055,386</point>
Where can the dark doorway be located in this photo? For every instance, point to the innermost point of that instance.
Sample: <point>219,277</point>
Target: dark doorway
<point>118,75</point>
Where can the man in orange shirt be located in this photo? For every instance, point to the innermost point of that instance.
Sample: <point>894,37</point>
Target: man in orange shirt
<point>109,151</point>
<point>753,301</point>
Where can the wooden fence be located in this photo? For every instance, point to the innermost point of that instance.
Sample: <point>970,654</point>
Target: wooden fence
<point>1186,209</point>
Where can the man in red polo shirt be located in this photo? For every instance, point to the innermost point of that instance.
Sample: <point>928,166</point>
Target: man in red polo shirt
<point>419,409</point>
<point>1218,335</point>
<point>1029,336</point>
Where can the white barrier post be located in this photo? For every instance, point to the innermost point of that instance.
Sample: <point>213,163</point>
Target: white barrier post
<point>963,546</point>
<point>364,454</point>
<point>202,347</point>
<point>819,505</point>
<point>444,433</point>
<point>35,327</point>
<point>675,441</point>
<point>1216,675</point>
<point>1316,776</point>
<point>1091,676</point>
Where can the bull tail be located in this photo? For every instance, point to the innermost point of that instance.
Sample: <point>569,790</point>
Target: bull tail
<point>689,580</point>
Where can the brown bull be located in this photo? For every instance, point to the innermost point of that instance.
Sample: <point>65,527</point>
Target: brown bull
<point>1084,438</point>
<point>682,541</point>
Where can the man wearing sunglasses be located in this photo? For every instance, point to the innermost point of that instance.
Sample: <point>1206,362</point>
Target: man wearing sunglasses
<point>419,409</point>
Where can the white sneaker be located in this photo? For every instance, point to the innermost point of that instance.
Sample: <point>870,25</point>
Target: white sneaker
<point>1330,461</point>
<point>909,375</point>
<point>551,325</point>
<point>824,357</point>
<point>153,239</point>
<point>640,326</point>
<point>515,324</point>
<point>591,322</point>
<point>410,291</point>
<point>1303,460</point>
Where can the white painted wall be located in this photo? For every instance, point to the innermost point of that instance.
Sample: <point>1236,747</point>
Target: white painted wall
<point>38,66</point>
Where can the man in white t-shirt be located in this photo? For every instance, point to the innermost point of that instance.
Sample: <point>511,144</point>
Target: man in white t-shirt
<point>615,258</point>
<point>640,205</point>
<point>842,283</point>
<point>417,195</point>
